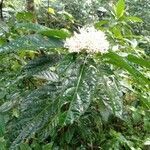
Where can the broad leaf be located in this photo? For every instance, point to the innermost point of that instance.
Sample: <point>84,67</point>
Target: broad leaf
<point>25,16</point>
<point>31,42</point>
<point>57,33</point>
<point>81,94</point>
<point>133,19</point>
<point>140,61</point>
<point>120,8</point>
<point>47,75</point>
<point>119,61</point>
<point>41,63</point>
<point>30,26</point>
<point>61,34</point>
<point>38,108</point>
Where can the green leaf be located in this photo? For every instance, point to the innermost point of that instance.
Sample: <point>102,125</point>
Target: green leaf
<point>35,124</point>
<point>47,146</point>
<point>2,125</point>
<point>24,146</point>
<point>56,33</point>
<point>119,61</point>
<point>51,127</point>
<point>81,94</point>
<point>37,110</point>
<point>68,15</point>
<point>47,75</point>
<point>140,61</point>
<point>2,94</point>
<point>101,23</point>
<point>120,8</point>
<point>133,19</point>
<point>69,134</point>
<point>117,32</point>
<point>61,34</point>
<point>30,26</point>
<point>42,63</point>
<point>7,106</point>
<point>2,143</point>
<point>31,42</point>
<point>111,96</point>
<point>25,16</point>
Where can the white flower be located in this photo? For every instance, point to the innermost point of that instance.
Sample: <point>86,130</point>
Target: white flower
<point>88,39</point>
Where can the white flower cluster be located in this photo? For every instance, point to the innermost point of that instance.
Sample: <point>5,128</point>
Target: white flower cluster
<point>89,40</point>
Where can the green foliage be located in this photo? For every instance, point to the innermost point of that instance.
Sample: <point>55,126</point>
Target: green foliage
<point>31,42</point>
<point>140,61</point>
<point>120,8</point>
<point>52,99</point>
<point>120,62</point>
<point>141,9</point>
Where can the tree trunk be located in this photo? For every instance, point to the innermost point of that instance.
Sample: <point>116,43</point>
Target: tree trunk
<point>1,10</point>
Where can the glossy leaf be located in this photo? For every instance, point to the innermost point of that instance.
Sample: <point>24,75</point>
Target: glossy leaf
<point>31,42</point>
<point>61,34</point>
<point>119,61</point>
<point>140,61</point>
<point>56,33</point>
<point>82,93</point>
<point>133,19</point>
<point>120,8</point>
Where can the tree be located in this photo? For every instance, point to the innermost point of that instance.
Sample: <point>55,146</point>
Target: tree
<point>1,9</point>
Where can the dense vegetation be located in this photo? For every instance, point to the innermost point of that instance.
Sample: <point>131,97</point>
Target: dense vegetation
<point>53,97</point>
